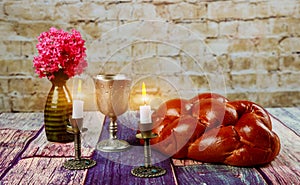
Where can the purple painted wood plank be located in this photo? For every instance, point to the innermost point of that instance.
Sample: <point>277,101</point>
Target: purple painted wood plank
<point>43,170</point>
<point>285,168</point>
<point>12,144</point>
<point>22,121</point>
<point>41,147</point>
<point>114,168</point>
<point>288,117</point>
<point>217,174</point>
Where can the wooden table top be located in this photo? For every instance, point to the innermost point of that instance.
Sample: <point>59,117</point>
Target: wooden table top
<point>26,157</point>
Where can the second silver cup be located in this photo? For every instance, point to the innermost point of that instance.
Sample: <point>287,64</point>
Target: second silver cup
<point>112,94</point>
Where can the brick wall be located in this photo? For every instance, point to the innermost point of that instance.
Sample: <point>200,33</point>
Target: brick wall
<point>241,49</point>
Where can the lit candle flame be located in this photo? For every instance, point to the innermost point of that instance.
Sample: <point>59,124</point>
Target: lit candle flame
<point>79,86</point>
<point>144,95</point>
<point>79,90</point>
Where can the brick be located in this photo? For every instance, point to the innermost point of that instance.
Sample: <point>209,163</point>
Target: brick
<point>218,46</point>
<point>121,11</point>
<point>228,10</point>
<point>167,50</point>
<point>31,30</point>
<point>4,67</point>
<point>23,11</point>
<point>209,64</point>
<point>113,67</point>
<point>189,63</point>
<point>252,29</point>
<point>143,12</point>
<point>276,8</point>
<point>241,45</point>
<point>147,66</point>
<point>193,48</point>
<point>229,28</point>
<point>183,11</point>
<point>162,11</point>
<point>240,63</point>
<point>20,67</point>
<point>2,13</point>
<point>169,66</point>
<point>200,82</point>
<point>26,103</point>
<point>283,98</point>
<point>203,29</point>
<point>91,31</point>
<point>79,11</point>
<point>290,63</point>
<point>5,104</point>
<point>280,26</point>
<point>293,25</point>
<point>291,44</point>
<point>18,85</point>
<point>144,49</point>
<point>224,62</point>
<point>266,63</point>
<point>267,81</point>
<point>41,85</point>
<point>10,49</point>
<point>244,82</point>
<point>250,96</point>
<point>3,85</point>
<point>176,33</point>
<point>7,29</point>
<point>28,49</point>
<point>290,81</point>
<point>269,45</point>
<point>282,8</point>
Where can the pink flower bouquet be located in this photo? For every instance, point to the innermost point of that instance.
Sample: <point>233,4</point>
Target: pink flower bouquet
<point>60,51</point>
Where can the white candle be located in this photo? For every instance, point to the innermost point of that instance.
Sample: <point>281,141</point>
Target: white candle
<point>145,110</point>
<point>77,109</point>
<point>145,114</point>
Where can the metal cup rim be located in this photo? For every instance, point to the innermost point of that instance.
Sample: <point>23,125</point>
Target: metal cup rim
<point>111,77</point>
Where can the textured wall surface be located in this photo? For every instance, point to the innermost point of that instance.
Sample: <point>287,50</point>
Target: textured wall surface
<point>241,49</point>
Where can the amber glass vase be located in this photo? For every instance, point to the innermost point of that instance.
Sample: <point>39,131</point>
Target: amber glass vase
<point>58,108</point>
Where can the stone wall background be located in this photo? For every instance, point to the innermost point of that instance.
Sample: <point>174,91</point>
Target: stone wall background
<point>241,49</point>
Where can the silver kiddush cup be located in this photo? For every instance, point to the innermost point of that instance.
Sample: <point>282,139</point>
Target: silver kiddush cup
<point>112,94</point>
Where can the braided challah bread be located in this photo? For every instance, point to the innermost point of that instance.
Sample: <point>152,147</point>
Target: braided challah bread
<point>210,128</point>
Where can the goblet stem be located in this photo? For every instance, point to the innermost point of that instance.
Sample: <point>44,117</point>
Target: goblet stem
<point>113,128</point>
<point>113,144</point>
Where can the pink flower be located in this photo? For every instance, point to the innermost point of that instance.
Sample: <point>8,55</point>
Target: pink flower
<point>60,50</point>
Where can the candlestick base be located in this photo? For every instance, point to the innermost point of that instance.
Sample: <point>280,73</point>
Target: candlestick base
<point>78,163</point>
<point>146,172</point>
<point>81,164</point>
<point>113,145</point>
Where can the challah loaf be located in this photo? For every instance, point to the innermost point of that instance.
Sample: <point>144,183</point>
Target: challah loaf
<point>210,128</point>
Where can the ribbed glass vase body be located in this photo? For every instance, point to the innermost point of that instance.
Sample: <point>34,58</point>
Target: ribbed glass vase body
<point>57,111</point>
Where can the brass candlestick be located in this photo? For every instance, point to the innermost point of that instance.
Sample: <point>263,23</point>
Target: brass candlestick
<point>112,93</point>
<point>78,163</point>
<point>148,170</point>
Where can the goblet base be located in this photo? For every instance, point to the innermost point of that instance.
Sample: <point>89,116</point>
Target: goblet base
<point>80,164</point>
<point>146,172</point>
<point>112,145</point>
